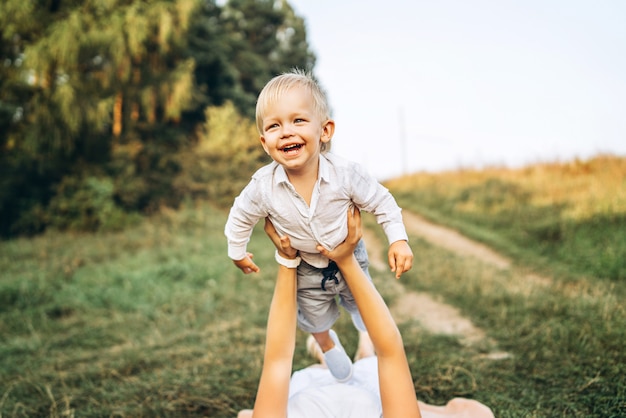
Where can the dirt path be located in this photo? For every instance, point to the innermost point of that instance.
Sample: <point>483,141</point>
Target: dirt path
<point>452,240</point>
<point>435,315</point>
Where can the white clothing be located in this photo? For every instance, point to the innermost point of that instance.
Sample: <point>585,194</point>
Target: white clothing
<point>313,392</point>
<point>340,185</point>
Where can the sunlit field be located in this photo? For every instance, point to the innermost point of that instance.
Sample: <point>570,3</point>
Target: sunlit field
<point>570,216</point>
<point>156,321</point>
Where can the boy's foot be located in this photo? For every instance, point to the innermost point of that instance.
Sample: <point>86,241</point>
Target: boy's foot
<point>337,360</point>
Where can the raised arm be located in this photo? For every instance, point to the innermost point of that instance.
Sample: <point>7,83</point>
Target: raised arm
<point>273,391</point>
<point>243,216</point>
<point>396,384</point>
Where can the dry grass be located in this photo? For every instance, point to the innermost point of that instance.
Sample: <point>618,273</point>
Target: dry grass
<point>586,188</point>
<point>567,217</point>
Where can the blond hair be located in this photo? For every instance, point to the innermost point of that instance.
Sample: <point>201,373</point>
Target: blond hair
<point>277,86</point>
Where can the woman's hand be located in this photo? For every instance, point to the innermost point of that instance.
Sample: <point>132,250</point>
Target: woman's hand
<point>346,249</point>
<point>282,244</point>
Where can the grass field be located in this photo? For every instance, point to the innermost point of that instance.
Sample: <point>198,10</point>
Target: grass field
<point>155,321</point>
<point>569,217</point>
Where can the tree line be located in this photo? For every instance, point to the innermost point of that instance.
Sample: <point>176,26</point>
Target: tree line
<point>113,109</point>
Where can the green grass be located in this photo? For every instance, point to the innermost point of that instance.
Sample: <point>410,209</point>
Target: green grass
<point>568,218</point>
<point>156,321</point>
<point>565,222</point>
<point>151,322</point>
<point>565,337</point>
<point>566,340</point>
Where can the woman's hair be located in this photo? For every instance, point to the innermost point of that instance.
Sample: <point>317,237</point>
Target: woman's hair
<point>277,86</point>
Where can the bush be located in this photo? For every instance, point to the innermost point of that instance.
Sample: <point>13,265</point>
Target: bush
<point>146,172</point>
<point>86,204</point>
<point>228,152</point>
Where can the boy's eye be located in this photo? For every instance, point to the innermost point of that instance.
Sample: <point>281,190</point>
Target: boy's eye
<point>299,120</point>
<point>272,126</point>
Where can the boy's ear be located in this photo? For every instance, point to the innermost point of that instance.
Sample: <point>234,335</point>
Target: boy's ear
<point>328,130</point>
<point>262,139</point>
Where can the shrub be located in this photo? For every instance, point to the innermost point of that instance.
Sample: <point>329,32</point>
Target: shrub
<point>86,204</point>
<point>225,157</point>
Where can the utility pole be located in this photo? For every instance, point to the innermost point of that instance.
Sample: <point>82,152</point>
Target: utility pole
<point>403,144</point>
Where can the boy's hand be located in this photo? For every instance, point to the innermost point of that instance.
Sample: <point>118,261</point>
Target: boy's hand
<point>400,257</point>
<point>247,265</point>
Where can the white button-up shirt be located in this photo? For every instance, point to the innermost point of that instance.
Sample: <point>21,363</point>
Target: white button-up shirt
<point>340,185</point>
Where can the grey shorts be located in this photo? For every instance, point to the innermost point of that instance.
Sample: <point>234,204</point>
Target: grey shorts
<point>319,297</point>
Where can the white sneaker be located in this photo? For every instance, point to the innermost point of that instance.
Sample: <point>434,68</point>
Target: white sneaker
<point>337,360</point>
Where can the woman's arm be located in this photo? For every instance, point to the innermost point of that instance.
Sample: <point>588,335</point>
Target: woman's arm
<point>273,391</point>
<point>396,384</point>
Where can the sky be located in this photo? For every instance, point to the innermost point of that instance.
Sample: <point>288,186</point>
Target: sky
<point>432,85</point>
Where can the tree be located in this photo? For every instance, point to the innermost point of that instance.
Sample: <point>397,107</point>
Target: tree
<point>268,39</point>
<point>115,90</point>
<point>25,172</point>
<point>98,74</point>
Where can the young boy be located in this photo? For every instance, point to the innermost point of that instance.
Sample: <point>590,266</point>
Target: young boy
<point>306,193</point>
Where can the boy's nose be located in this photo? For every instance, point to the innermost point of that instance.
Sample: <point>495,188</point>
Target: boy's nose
<point>287,130</point>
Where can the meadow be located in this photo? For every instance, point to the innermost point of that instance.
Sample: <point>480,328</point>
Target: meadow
<point>569,217</point>
<point>155,321</point>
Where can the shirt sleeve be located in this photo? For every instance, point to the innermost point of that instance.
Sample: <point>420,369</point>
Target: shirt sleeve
<point>245,213</point>
<point>372,197</point>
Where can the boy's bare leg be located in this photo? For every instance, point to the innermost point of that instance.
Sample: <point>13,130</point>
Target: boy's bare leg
<point>323,340</point>
<point>314,350</point>
<point>335,357</point>
<point>365,348</point>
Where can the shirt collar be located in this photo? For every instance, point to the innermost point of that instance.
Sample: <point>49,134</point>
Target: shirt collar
<point>324,170</point>
<point>280,175</point>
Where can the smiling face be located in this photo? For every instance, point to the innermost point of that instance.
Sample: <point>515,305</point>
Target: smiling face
<point>292,132</point>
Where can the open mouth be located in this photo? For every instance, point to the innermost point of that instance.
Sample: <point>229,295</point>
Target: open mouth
<point>292,148</point>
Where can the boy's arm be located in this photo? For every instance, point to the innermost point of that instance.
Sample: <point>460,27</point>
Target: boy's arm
<point>243,216</point>
<point>371,196</point>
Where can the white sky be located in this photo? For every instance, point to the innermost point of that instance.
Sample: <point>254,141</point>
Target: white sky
<point>443,84</point>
